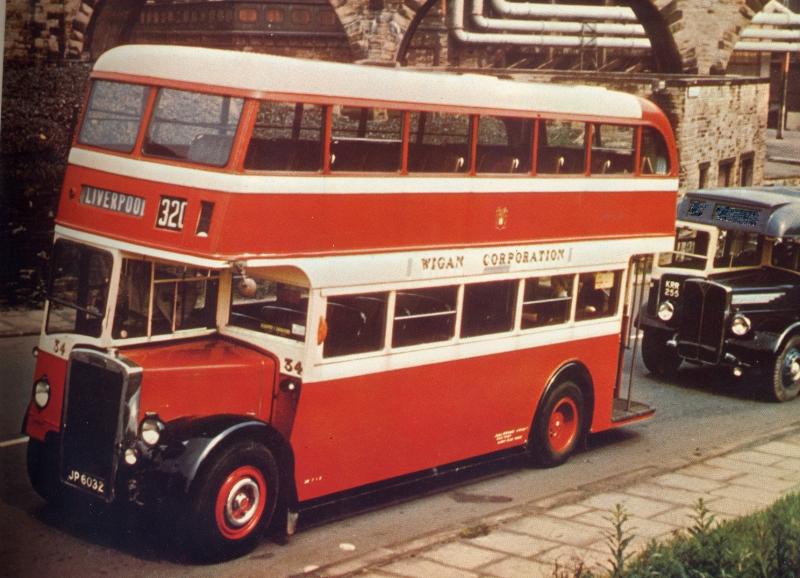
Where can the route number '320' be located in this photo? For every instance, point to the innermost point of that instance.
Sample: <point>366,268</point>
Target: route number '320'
<point>170,213</point>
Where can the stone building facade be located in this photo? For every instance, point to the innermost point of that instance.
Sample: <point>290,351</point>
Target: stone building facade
<point>719,121</point>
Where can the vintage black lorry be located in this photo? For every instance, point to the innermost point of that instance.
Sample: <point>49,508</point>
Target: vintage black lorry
<point>729,293</point>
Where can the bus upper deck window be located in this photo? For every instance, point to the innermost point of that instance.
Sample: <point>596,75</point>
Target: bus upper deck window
<point>287,137</point>
<point>655,157</point>
<point>113,116</point>
<point>562,147</point>
<point>504,145</point>
<point>439,143</point>
<point>613,149</point>
<point>193,127</point>
<point>365,139</point>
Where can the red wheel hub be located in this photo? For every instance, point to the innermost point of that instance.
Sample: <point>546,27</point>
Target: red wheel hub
<point>240,502</point>
<point>562,428</point>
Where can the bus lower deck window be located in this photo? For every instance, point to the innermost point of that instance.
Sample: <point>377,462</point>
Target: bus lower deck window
<point>356,324</point>
<point>182,298</point>
<point>424,316</point>
<point>489,308</point>
<point>547,301</point>
<point>268,306</point>
<point>598,294</point>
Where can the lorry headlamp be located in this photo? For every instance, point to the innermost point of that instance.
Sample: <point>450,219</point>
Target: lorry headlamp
<point>666,310</point>
<point>41,392</point>
<point>151,430</point>
<point>740,325</point>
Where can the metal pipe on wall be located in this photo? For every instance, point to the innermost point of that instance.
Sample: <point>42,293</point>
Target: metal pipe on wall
<point>463,35</point>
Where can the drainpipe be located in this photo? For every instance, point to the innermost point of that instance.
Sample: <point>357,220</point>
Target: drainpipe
<point>784,94</point>
<point>775,19</point>
<point>537,10</point>
<point>580,28</point>
<point>462,35</point>
<point>771,33</point>
<point>767,46</point>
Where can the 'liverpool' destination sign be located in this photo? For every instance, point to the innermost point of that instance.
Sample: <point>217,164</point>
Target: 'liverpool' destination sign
<point>117,202</point>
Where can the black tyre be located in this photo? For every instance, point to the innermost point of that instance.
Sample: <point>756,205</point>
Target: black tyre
<point>659,359</point>
<point>785,382</point>
<point>232,502</point>
<point>42,463</point>
<point>558,426</point>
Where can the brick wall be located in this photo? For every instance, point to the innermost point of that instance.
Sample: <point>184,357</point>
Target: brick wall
<point>719,125</point>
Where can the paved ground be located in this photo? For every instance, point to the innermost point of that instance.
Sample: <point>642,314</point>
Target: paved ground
<point>531,540</point>
<point>783,156</point>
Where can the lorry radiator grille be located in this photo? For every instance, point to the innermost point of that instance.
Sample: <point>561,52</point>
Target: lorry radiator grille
<point>702,328</point>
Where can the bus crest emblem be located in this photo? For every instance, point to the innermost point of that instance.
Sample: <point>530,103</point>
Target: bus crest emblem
<point>501,218</point>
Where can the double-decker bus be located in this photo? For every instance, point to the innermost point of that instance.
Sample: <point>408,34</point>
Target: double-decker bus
<point>276,282</point>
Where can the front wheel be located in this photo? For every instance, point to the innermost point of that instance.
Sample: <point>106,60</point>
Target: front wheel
<point>42,463</point>
<point>785,382</point>
<point>558,425</point>
<point>659,358</point>
<point>232,502</point>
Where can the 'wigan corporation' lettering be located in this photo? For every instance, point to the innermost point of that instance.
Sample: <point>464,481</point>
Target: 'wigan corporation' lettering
<point>442,263</point>
<point>524,257</point>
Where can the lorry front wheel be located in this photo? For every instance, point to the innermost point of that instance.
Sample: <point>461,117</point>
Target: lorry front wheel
<point>659,358</point>
<point>785,382</point>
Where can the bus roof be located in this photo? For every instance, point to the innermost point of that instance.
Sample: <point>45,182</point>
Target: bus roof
<point>254,72</point>
<point>771,211</point>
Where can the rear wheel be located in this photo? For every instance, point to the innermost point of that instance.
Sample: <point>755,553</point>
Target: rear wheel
<point>785,382</point>
<point>659,358</point>
<point>233,501</point>
<point>558,426</point>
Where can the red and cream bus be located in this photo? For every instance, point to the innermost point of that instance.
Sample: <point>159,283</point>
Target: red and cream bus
<point>278,281</point>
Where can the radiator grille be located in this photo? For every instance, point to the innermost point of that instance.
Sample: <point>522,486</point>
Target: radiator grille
<point>92,424</point>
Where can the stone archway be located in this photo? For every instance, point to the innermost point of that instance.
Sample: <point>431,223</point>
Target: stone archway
<point>687,36</point>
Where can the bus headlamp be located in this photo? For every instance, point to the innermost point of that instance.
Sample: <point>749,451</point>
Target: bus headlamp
<point>151,430</point>
<point>740,325</point>
<point>666,310</point>
<point>41,392</point>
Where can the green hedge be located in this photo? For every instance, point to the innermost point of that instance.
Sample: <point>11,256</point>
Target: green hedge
<point>765,544</point>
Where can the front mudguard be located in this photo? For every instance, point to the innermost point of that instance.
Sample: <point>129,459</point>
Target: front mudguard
<point>166,472</point>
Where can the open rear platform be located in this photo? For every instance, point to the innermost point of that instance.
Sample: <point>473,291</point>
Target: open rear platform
<point>625,411</point>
